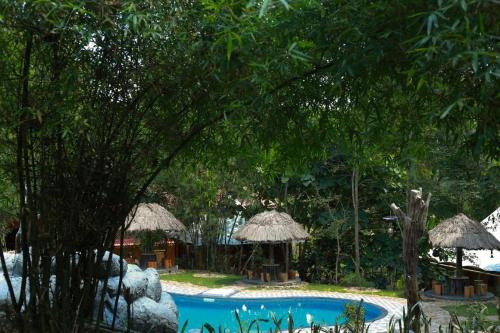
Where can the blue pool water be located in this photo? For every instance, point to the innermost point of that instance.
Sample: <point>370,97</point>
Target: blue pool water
<point>221,311</point>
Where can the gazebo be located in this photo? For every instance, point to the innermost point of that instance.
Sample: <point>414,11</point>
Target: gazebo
<point>272,227</point>
<point>461,232</point>
<point>153,217</point>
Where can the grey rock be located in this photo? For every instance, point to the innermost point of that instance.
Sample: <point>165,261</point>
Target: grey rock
<point>134,285</point>
<point>17,265</point>
<point>115,265</point>
<point>121,313</point>
<point>97,300</point>
<point>9,262</point>
<point>153,289</point>
<point>133,268</point>
<point>5,300</point>
<point>112,287</point>
<point>53,263</point>
<point>168,302</point>
<point>149,316</point>
<point>52,286</point>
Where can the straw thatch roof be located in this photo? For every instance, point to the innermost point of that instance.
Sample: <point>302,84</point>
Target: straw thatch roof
<point>271,227</point>
<point>151,216</point>
<point>461,231</point>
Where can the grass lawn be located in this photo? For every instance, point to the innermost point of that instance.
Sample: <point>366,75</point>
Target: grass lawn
<point>222,280</point>
<point>342,289</point>
<point>463,310</point>
<point>217,281</point>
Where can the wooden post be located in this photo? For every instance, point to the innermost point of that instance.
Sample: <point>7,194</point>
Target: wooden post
<point>286,257</point>
<point>241,258</point>
<point>271,253</point>
<point>413,225</point>
<point>458,271</point>
<point>252,256</point>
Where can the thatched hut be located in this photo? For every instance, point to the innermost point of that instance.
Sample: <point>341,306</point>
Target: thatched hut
<point>272,227</point>
<point>152,217</point>
<point>461,232</point>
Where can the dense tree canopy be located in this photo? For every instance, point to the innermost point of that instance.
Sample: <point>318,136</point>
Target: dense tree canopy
<point>97,99</point>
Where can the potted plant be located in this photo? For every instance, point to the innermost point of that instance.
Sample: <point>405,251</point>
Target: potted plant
<point>438,285</point>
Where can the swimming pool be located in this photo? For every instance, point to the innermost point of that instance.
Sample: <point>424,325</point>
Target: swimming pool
<point>221,311</point>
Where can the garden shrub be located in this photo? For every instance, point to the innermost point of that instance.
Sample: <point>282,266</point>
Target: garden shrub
<point>356,280</point>
<point>354,313</point>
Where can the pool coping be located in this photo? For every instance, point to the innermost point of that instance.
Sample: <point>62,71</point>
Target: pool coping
<point>391,307</point>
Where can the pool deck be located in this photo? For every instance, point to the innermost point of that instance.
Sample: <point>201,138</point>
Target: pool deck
<point>393,306</point>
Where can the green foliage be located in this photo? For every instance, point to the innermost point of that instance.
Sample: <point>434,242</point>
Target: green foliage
<point>148,239</point>
<point>475,314</point>
<point>356,280</point>
<point>99,99</point>
<point>400,283</point>
<point>354,313</point>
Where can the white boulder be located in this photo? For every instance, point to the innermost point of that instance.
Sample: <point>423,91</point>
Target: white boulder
<point>134,285</point>
<point>153,289</point>
<point>115,265</point>
<point>133,268</point>
<point>5,299</point>
<point>150,316</point>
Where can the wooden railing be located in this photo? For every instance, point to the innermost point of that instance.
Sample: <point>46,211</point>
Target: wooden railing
<point>475,273</point>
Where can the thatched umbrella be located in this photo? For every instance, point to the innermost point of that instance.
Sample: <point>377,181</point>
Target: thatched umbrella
<point>153,217</point>
<point>461,232</point>
<point>272,227</point>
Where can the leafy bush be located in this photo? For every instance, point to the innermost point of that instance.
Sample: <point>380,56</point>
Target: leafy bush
<point>400,283</point>
<point>356,280</point>
<point>354,312</point>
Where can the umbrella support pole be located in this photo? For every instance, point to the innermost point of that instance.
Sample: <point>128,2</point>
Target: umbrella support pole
<point>286,258</point>
<point>458,271</point>
<point>271,253</point>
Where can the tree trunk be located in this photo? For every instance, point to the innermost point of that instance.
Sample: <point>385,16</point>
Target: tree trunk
<point>337,256</point>
<point>413,224</point>
<point>355,206</point>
